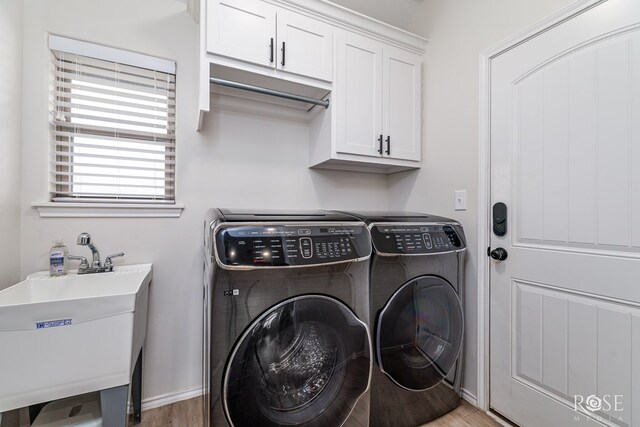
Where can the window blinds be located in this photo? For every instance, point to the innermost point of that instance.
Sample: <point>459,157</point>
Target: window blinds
<point>112,131</point>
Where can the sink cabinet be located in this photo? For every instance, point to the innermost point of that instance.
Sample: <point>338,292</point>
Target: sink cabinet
<point>73,334</point>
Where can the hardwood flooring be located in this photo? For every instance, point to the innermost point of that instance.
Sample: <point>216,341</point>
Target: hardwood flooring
<point>465,415</point>
<point>188,414</point>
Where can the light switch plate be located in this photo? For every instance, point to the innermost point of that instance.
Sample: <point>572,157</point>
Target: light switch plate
<point>460,200</point>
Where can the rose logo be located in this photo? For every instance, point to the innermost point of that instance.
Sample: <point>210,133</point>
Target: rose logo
<point>593,403</point>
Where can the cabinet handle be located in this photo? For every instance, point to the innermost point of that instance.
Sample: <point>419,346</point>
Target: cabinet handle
<point>380,144</point>
<point>283,53</point>
<point>271,50</point>
<point>389,145</point>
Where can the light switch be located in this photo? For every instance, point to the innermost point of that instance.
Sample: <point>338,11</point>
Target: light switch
<point>460,200</point>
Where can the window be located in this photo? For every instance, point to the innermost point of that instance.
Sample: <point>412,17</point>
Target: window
<point>112,125</point>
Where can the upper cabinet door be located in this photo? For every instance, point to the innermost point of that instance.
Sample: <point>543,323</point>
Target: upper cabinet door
<point>358,95</point>
<point>242,29</point>
<point>401,104</point>
<point>305,46</point>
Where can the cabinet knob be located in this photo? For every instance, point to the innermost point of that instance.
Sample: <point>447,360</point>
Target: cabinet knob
<point>388,145</point>
<point>380,144</point>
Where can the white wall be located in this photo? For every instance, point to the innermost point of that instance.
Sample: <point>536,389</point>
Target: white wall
<point>10,99</point>
<point>458,31</point>
<point>238,160</point>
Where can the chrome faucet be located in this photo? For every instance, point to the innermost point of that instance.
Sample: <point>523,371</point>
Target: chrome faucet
<point>84,239</point>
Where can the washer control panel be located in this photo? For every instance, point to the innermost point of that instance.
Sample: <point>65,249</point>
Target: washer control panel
<point>280,245</point>
<point>412,239</point>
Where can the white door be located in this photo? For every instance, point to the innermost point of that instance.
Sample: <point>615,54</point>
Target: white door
<point>565,159</point>
<point>242,29</point>
<point>358,95</point>
<point>401,100</point>
<point>305,46</point>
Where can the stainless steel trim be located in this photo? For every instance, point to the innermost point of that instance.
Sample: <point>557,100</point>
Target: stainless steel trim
<point>271,92</point>
<point>389,303</point>
<point>389,254</point>
<point>267,312</point>
<point>285,224</point>
<point>374,224</point>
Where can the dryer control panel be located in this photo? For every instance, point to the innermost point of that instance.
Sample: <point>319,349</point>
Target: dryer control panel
<point>416,239</point>
<point>278,245</point>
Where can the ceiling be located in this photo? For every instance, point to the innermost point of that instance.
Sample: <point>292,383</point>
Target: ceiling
<point>398,13</point>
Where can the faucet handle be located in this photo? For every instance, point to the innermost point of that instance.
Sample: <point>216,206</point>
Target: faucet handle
<point>107,261</point>
<point>83,261</point>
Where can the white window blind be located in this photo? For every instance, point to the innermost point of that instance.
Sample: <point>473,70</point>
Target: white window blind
<point>112,131</point>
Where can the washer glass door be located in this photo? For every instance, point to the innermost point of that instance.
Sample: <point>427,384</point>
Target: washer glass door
<point>419,333</point>
<point>305,361</point>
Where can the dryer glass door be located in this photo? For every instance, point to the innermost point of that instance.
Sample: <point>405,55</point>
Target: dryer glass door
<point>419,333</point>
<point>305,361</point>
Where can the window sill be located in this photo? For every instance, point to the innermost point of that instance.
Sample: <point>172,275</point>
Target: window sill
<point>107,210</point>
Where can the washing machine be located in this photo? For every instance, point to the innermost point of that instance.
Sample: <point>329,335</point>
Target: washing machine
<point>416,286</point>
<point>286,340</point>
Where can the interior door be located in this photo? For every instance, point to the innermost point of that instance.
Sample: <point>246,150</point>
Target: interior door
<point>401,104</point>
<point>565,159</point>
<point>358,95</point>
<point>242,30</point>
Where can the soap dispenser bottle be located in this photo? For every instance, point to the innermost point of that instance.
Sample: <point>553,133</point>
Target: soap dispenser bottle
<point>58,257</point>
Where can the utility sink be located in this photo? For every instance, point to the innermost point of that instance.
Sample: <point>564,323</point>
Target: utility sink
<point>72,334</point>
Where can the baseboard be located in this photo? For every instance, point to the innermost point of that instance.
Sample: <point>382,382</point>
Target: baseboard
<point>471,398</point>
<point>167,399</point>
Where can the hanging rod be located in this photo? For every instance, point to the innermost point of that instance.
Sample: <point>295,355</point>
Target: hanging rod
<point>271,92</point>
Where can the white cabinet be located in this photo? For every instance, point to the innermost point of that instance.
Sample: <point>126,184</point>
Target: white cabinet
<point>377,99</point>
<point>401,104</point>
<point>369,72</point>
<point>305,46</point>
<point>245,30</point>
<point>358,95</point>
<point>263,34</point>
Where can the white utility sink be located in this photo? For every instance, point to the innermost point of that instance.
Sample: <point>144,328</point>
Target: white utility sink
<point>72,334</point>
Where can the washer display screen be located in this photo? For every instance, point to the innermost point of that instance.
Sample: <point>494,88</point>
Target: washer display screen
<point>289,245</point>
<point>408,239</point>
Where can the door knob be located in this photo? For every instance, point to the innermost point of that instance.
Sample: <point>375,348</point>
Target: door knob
<point>499,254</point>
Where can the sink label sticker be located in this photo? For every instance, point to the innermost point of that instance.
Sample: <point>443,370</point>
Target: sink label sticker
<point>53,323</point>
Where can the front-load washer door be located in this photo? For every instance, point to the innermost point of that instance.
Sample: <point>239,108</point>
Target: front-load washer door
<point>305,361</point>
<point>419,333</point>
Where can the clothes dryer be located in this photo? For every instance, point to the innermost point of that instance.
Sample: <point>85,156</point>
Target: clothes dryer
<point>416,286</point>
<point>286,314</point>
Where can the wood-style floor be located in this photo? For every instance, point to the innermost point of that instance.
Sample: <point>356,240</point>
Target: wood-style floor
<point>465,415</point>
<point>188,414</point>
